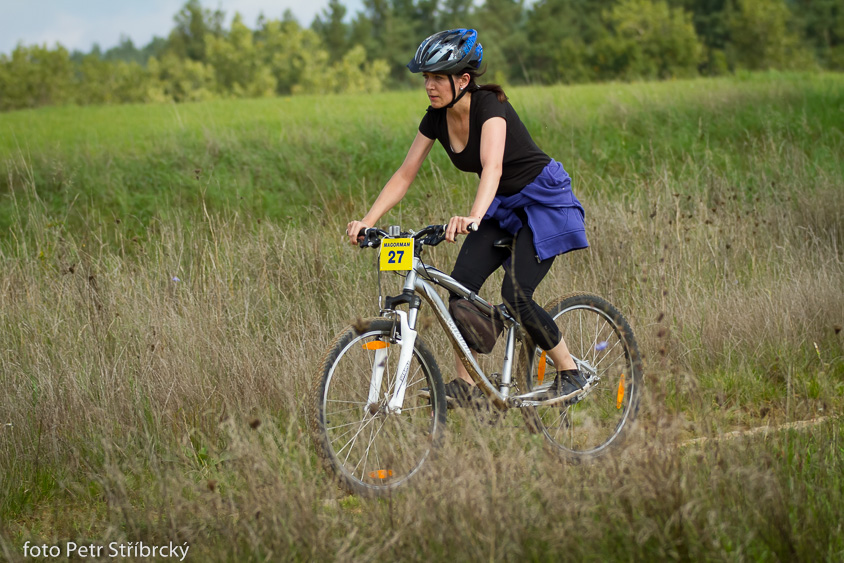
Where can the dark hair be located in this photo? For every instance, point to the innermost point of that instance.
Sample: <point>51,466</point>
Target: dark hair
<point>495,88</point>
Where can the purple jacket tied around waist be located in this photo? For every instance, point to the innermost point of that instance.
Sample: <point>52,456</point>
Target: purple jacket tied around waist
<point>553,213</point>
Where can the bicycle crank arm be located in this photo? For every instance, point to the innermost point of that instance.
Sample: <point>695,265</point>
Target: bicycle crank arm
<point>533,399</point>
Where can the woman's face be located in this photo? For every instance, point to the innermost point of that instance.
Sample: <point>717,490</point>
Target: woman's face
<point>438,88</point>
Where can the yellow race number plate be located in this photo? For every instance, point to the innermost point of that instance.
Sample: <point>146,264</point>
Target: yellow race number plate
<point>396,254</point>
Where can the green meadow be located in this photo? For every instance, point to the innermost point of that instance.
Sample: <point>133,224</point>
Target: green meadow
<point>282,157</point>
<point>170,276</point>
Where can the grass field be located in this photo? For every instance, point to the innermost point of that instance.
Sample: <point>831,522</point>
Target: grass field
<point>171,275</point>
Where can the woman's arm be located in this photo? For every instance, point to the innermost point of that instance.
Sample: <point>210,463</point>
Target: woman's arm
<point>493,136</point>
<point>396,187</point>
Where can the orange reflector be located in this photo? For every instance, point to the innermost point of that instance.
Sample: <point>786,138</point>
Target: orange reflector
<point>620,396</point>
<point>376,345</point>
<point>540,376</point>
<point>381,474</point>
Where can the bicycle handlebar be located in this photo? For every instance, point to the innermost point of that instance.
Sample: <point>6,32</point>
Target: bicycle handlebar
<point>432,235</point>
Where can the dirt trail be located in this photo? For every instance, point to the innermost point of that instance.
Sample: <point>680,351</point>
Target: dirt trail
<point>758,430</point>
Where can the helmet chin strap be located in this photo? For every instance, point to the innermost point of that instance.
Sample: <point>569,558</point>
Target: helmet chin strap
<point>455,97</point>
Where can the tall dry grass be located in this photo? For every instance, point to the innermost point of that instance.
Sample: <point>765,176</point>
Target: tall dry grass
<point>155,391</point>
<point>155,386</point>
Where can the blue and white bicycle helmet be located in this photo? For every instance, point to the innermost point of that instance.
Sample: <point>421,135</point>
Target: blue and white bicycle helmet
<point>448,52</point>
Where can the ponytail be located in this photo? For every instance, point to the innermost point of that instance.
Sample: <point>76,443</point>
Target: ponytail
<point>495,88</point>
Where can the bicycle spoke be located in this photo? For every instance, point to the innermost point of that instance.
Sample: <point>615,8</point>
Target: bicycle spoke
<point>391,390</point>
<point>611,363</point>
<point>580,330</point>
<point>410,384</point>
<point>365,454</point>
<point>411,409</point>
<point>341,436</point>
<point>558,424</point>
<point>617,342</point>
<point>595,340</point>
<point>372,448</point>
<point>354,439</point>
<point>591,425</point>
<point>359,408</point>
<point>344,425</point>
<point>361,403</point>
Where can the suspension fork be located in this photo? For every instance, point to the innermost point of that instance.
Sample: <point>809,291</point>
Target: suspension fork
<point>375,381</point>
<point>407,342</point>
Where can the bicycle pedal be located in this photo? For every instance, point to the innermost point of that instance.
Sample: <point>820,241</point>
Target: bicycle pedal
<point>450,402</point>
<point>591,381</point>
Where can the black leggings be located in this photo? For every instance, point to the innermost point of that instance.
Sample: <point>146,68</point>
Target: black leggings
<point>478,259</point>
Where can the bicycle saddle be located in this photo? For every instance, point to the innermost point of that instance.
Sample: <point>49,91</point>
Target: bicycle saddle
<point>506,242</point>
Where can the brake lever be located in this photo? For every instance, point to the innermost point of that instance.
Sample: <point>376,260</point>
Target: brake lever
<point>370,238</point>
<point>436,237</point>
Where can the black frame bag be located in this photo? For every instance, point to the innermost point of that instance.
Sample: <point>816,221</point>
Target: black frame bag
<point>479,331</point>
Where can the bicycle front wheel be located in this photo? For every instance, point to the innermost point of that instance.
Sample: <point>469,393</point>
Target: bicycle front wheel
<point>603,346</point>
<point>369,448</point>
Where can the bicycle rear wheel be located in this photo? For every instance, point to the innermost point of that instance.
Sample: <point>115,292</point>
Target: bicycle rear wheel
<point>369,449</point>
<point>603,346</point>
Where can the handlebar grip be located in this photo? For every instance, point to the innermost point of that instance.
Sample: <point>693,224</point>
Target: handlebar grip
<point>472,227</point>
<point>370,238</point>
<point>364,239</point>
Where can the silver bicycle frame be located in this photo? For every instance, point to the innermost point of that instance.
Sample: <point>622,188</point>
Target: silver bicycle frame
<point>417,281</point>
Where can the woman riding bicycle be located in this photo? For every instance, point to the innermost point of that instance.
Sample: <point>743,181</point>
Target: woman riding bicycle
<point>522,192</point>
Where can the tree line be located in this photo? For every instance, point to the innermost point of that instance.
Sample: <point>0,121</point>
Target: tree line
<point>548,41</point>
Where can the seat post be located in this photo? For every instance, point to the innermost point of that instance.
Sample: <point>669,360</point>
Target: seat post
<point>507,365</point>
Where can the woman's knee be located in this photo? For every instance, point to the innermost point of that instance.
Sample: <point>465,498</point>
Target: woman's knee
<point>516,297</point>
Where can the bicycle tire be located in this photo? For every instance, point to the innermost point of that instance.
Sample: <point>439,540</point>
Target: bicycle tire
<point>370,451</point>
<point>596,332</point>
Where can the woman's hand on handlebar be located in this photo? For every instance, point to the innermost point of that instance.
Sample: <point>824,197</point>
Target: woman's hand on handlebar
<point>353,230</point>
<point>460,226</point>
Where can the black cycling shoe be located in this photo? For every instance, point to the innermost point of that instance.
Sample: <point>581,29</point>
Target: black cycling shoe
<point>566,382</point>
<point>458,393</point>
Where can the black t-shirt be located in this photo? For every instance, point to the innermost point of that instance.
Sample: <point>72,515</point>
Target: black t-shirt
<point>523,160</point>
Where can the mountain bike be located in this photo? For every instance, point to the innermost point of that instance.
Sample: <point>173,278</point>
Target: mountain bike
<point>378,400</point>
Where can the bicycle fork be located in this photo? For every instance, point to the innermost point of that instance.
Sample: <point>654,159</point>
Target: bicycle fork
<point>407,336</point>
<point>408,340</point>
